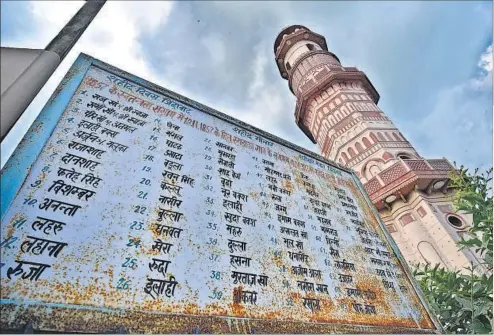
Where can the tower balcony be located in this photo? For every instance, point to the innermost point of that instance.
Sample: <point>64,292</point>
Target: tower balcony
<point>406,175</point>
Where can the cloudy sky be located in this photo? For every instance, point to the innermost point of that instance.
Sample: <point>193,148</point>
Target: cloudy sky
<point>430,61</point>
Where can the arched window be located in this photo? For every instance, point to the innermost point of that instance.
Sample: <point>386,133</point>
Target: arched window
<point>429,253</point>
<point>345,157</point>
<point>310,46</point>
<point>344,109</point>
<point>351,152</point>
<point>381,137</point>
<point>351,107</point>
<point>388,136</point>
<point>366,142</point>
<point>374,170</point>
<point>331,120</point>
<point>373,137</point>
<point>359,147</point>
<point>288,67</point>
<point>396,137</point>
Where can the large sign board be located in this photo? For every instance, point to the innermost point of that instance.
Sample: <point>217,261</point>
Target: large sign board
<point>129,207</point>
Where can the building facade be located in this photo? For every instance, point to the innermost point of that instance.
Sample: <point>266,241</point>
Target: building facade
<point>337,109</point>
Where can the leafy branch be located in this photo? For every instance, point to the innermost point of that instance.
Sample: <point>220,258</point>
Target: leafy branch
<point>463,302</point>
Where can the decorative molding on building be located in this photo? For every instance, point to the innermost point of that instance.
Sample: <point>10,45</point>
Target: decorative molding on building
<point>327,98</point>
<point>310,90</point>
<point>344,125</point>
<point>402,174</point>
<point>373,149</point>
<point>406,219</point>
<point>421,212</point>
<point>440,164</point>
<point>349,110</point>
<point>321,62</point>
<point>391,228</point>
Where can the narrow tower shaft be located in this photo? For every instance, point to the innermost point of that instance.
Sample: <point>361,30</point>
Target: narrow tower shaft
<point>337,109</point>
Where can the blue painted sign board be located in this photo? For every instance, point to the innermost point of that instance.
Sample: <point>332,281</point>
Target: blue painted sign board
<point>128,206</point>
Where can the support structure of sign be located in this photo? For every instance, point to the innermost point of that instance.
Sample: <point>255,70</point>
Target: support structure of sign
<point>138,208</point>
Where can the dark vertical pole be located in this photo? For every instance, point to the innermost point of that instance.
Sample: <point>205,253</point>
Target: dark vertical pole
<point>69,34</point>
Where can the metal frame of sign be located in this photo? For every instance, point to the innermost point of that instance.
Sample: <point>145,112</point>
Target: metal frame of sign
<point>76,318</point>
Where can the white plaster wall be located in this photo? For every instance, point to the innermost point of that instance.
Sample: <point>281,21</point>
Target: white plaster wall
<point>446,229</point>
<point>431,228</point>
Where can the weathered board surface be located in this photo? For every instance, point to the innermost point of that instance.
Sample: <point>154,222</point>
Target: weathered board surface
<point>140,210</point>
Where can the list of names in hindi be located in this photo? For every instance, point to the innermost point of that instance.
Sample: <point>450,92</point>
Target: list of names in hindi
<point>180,208</point>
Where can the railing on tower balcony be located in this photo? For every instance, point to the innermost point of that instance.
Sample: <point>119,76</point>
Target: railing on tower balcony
<point>405,175</point>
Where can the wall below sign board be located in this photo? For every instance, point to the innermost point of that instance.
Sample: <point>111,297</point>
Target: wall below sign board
<point>138,202</point>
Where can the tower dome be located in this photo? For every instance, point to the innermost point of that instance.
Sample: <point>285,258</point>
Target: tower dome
<point>287,31</point>
<point>297,45</point>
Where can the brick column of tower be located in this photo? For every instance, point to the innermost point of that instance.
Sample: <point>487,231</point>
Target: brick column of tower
<point>337,109</point>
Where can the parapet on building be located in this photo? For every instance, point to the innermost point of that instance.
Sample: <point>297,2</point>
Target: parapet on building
<point>337,109</point>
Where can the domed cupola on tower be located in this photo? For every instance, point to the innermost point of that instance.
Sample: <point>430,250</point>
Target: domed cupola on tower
<point>297,50</point>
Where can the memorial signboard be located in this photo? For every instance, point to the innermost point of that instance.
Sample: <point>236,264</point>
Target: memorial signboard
<point>127,206</point>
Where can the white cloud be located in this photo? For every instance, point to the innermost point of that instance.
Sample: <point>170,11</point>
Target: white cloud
<point>486,59</point>
<point>115,34</point>
<point>48,18</point>
<point>264,105</point>
<point>259,69</point>
<point>216,48</point>
<point>267,106</point>
<point>112,37</point>
<point>460,125</point>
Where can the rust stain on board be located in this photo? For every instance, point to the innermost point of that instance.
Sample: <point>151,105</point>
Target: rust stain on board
<point>76,320</point>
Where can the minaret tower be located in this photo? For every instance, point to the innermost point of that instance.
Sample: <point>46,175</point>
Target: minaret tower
<point>337,109</point>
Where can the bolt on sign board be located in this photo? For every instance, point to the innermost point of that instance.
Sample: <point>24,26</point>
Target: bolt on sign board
<point>127,206</point>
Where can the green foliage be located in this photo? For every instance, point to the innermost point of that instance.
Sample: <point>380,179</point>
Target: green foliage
<point>463,302</point>
<point>474,195</point>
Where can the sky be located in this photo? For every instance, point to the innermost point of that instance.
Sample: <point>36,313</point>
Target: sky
<point>431,62</point>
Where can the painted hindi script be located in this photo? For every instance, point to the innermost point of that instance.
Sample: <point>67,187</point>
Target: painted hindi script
<point>139,202</point>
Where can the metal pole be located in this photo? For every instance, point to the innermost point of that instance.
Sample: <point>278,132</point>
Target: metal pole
<point>21,93</point>
<point>69,34</point>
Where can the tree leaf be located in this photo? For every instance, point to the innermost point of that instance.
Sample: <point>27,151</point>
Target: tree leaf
<point>480,327</point>
<point>465,303</point>
<point>450,292</point>
<point>482,307</point>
